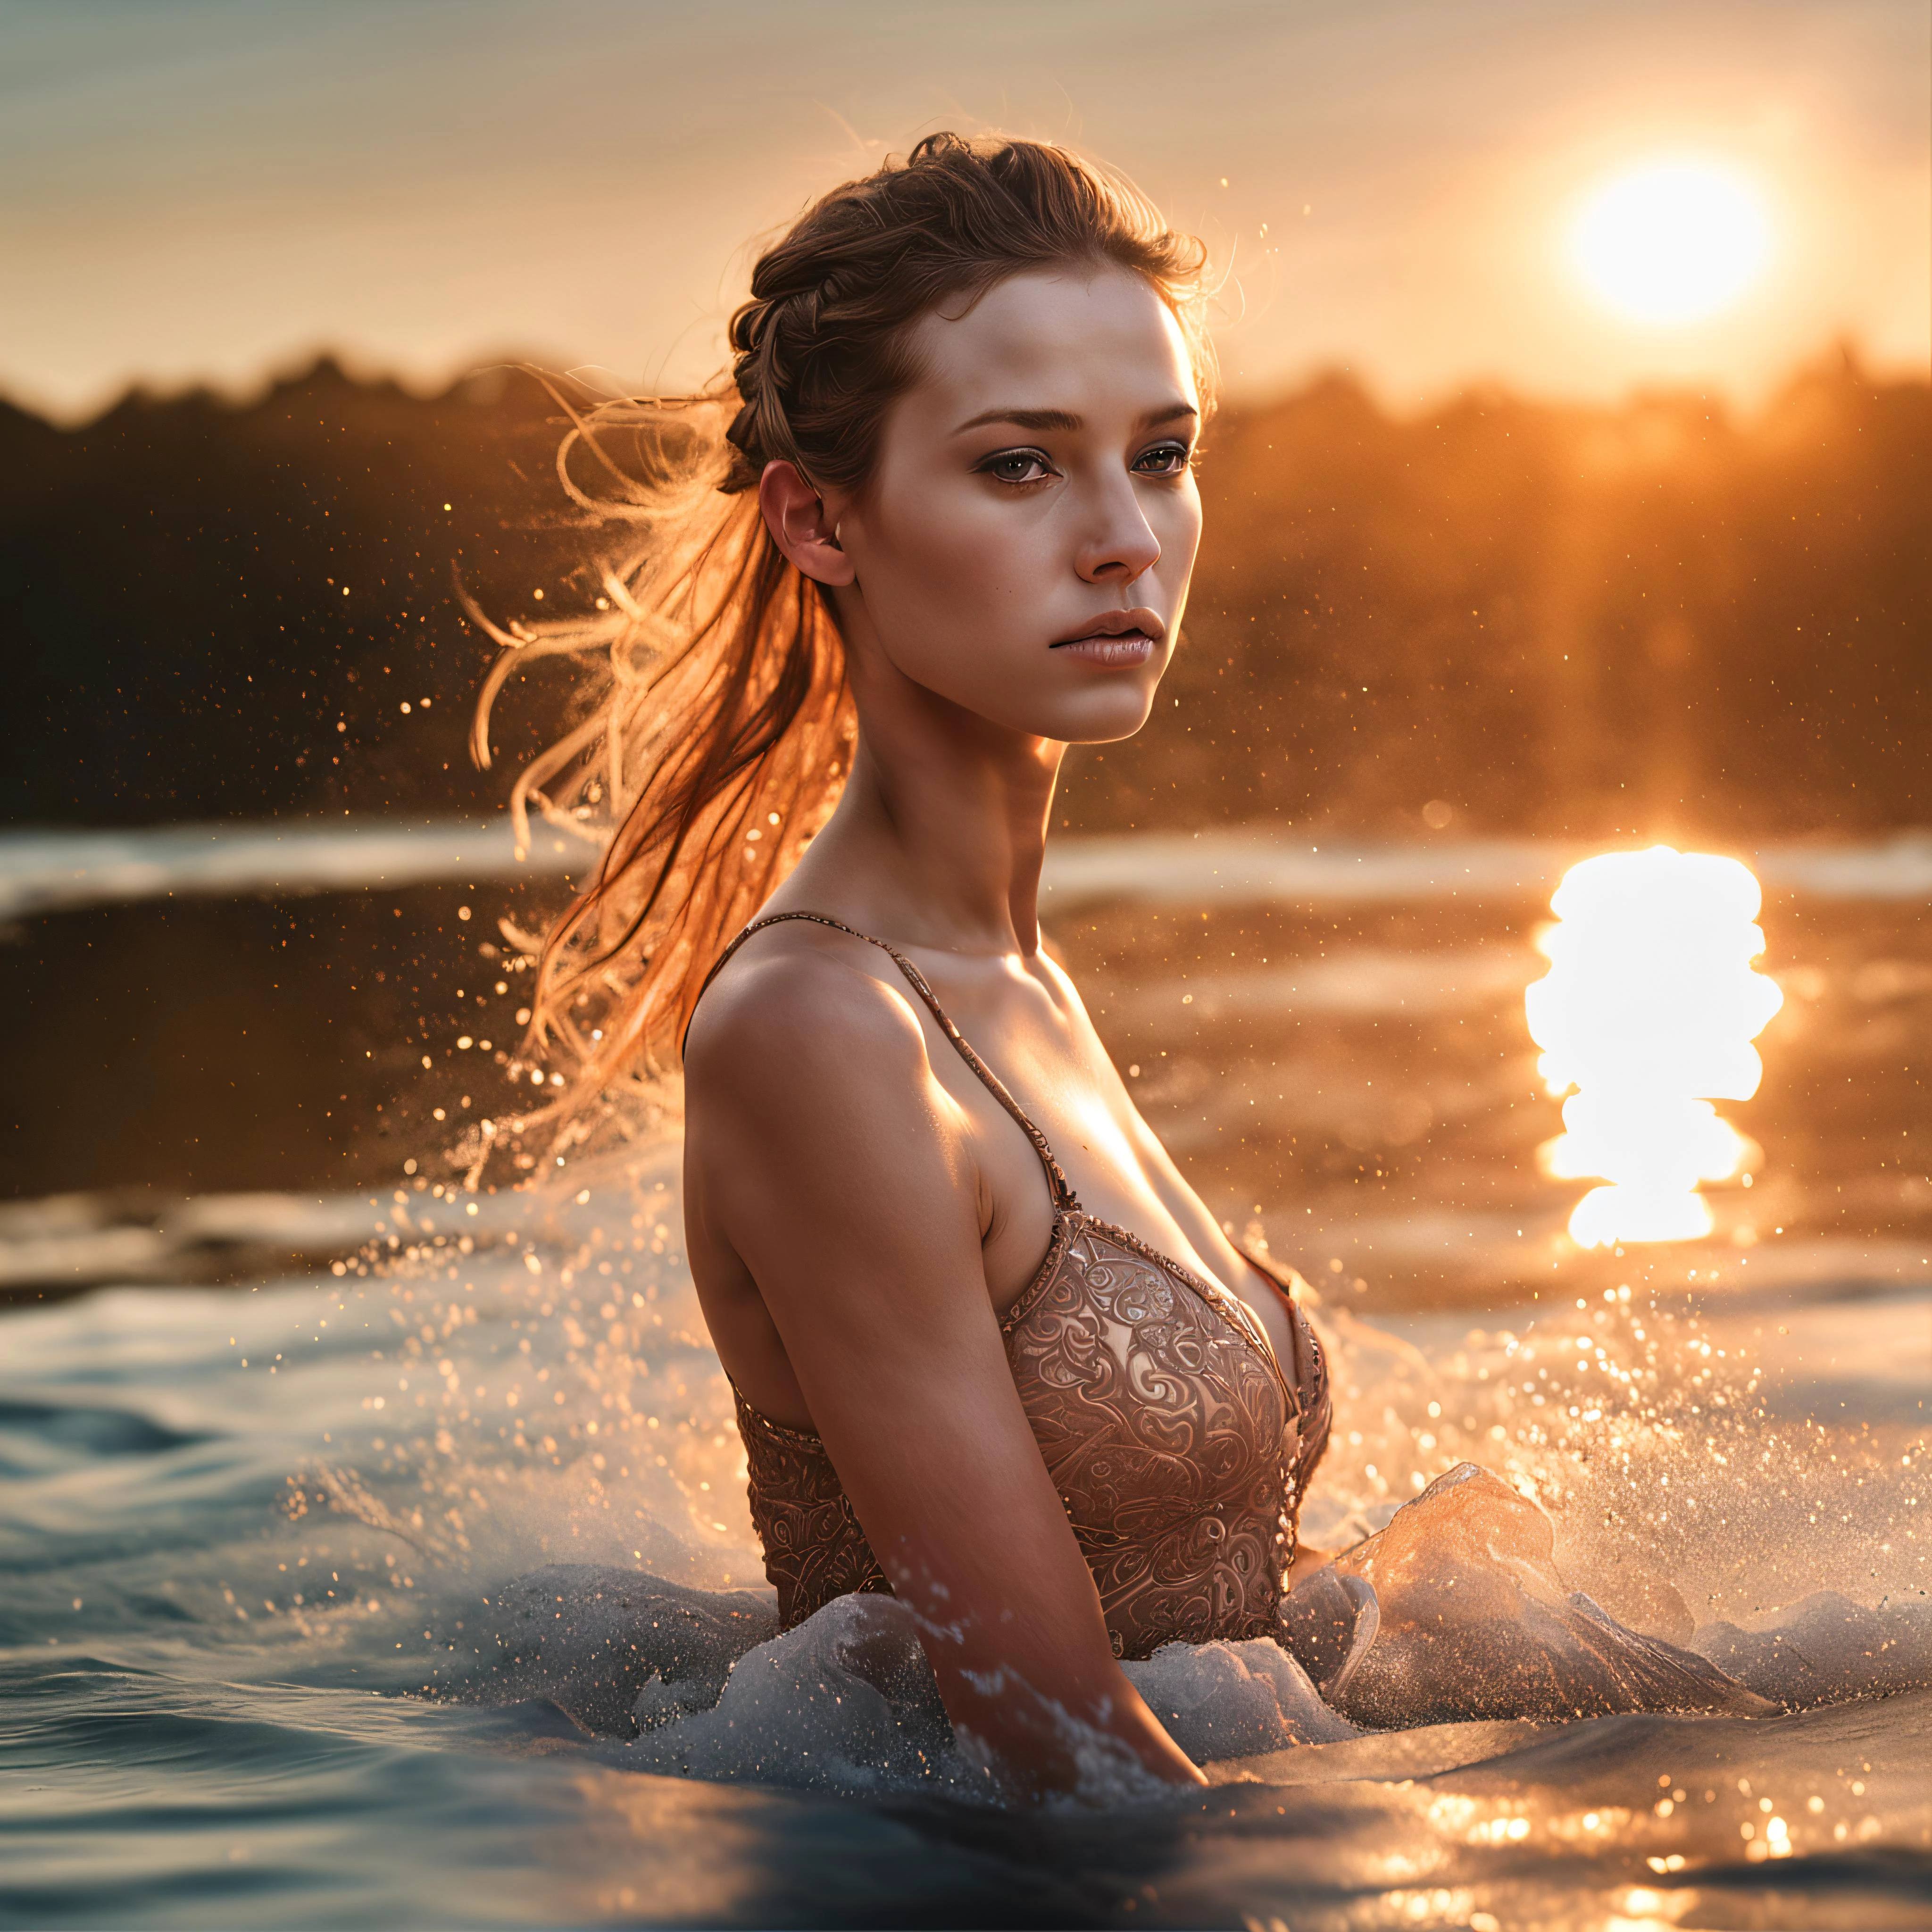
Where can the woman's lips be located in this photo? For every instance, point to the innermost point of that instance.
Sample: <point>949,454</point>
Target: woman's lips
<point>1118,653</point>
<point>1118,640</point>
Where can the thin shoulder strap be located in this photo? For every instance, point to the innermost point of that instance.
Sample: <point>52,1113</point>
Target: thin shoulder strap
<point>1063,1196</point>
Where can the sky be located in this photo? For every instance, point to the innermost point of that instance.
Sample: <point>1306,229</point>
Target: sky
<point>214,190</point>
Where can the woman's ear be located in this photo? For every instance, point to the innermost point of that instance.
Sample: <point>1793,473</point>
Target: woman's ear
<point>801,526</point>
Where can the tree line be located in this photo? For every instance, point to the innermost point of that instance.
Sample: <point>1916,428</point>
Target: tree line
<point>1666,616</point>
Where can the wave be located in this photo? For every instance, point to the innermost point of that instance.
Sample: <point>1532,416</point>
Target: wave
<point>43,871</point>
<point>433,1598</point>
<point>49,871</point>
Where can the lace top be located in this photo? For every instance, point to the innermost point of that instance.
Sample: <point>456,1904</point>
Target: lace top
<point>1179,1444</point>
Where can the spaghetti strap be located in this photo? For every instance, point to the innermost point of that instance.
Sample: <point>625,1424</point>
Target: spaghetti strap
<point>1064,1199</point>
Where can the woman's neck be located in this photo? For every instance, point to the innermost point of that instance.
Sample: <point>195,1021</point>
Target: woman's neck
<point>939,837</point>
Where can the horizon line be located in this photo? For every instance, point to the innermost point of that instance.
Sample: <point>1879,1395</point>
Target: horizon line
<point>1840,353</point>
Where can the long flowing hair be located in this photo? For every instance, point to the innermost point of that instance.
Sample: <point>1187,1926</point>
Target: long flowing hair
<point>715,724</point>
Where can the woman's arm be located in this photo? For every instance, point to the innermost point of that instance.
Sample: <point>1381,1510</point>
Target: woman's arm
<point>826,1155</point>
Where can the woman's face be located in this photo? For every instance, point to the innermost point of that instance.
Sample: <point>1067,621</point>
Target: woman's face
<point>1024,546</point>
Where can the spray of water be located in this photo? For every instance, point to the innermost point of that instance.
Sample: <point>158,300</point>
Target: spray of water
<point>547,1502</point>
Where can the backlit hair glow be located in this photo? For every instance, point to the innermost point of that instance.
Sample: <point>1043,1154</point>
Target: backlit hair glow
<point>714,726</point>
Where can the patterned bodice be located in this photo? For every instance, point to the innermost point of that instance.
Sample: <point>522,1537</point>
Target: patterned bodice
<point>1179,1445</point>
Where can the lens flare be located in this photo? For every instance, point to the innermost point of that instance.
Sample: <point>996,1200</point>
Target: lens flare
<point>1648,1012</point>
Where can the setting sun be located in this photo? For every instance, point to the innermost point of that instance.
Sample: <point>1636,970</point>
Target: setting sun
<point>1672,241</point>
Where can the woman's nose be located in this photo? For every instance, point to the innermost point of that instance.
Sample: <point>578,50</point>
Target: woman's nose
<point>1121,545</point>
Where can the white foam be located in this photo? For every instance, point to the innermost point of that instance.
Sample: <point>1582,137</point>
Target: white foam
<point>1221,1700</point>
<point>1825,1649</point>
<point>846,1702</point>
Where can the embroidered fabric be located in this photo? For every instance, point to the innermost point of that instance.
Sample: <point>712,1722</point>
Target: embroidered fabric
<point>1179,1444</point>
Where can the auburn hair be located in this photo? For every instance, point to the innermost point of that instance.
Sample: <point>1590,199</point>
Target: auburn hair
<point>715,728</point>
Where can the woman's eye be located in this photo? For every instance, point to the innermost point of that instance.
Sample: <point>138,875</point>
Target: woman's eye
<point>1018,466</point>
<point>1165,459</point>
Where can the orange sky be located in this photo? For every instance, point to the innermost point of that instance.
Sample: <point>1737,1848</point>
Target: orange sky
<point>209,190</point>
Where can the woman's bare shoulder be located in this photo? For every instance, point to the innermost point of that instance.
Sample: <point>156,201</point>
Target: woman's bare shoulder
<point>802,1027</point>
<point>813,1133</point>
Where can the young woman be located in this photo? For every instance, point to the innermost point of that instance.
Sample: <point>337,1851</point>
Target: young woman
<point>991,1351</point>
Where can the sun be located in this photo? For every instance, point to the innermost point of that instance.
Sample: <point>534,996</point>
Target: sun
<point>1672,241</point>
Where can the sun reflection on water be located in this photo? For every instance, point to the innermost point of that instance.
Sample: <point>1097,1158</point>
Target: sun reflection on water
<point>1648,1012</point>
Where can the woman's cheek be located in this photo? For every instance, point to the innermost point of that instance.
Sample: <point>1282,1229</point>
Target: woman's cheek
<point>991,549</point>
<point>1180,538</point>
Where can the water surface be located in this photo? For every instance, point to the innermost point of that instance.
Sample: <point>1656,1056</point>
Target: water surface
<point>315,1609</point>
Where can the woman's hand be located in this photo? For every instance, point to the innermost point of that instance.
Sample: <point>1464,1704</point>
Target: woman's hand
<point>834,1219</point>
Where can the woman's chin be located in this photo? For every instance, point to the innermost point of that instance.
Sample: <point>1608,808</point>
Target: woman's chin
<point>1103,716</point>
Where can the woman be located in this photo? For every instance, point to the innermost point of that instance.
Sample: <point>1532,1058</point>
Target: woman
<point>990,1350</point>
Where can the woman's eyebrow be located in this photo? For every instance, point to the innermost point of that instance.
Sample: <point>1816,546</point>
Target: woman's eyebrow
<point>1065,419</point>
<point>1024,419</point>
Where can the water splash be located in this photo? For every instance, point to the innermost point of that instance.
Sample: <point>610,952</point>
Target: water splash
<point>176,1642</point>
<point>1648,1011</point>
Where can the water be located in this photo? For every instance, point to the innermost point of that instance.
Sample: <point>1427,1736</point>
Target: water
<point>325,1593</point>
<point>269,1631</point>
<point>42,870</point>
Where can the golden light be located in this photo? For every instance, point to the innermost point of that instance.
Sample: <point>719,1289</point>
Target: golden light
<point>1648,1012</point>
<point>1673,242</point>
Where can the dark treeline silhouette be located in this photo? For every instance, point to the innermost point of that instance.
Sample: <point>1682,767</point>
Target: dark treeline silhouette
<point>1651,618</point>
<point>199,594</point>
<point>1661,616</point>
